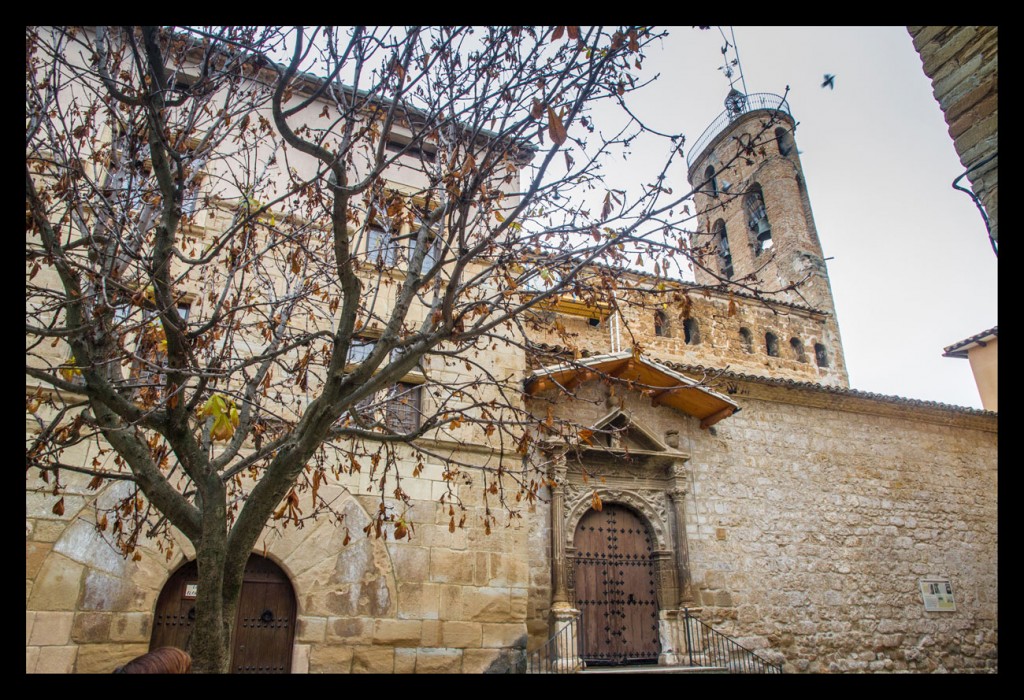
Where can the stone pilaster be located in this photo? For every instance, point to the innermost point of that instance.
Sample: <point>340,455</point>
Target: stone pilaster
<point>677,495</point>
<point>558,554</point>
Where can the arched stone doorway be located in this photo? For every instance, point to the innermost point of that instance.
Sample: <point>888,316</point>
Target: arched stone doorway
<point>264,625</point>
<point>616,587</point>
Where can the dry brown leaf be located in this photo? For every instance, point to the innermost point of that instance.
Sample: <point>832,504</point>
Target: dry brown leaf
<point>555,128</point>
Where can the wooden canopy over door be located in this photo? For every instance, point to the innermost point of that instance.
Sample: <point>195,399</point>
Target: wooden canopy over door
<point>615,588</point>
<point>264,625</point>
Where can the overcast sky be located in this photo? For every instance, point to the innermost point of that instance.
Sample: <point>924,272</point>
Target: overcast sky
<point>912,270</point>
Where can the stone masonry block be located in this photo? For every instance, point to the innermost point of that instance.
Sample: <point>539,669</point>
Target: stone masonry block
<point>448,566</point>
<point>479,660</point>
<point>518,602</point>
<point>954,43</point>
<point>130,627</point>
<point>349,630</point>
<point>300,658</point>
<point>439,660</point>
<point>969,100</point>
<point>405,660</point>
<point>431,633</point>
<point>48,530</point>
<point>373,660</point>
<point>91,628</point>
<point>310,629</point>
<point>411,563</point>
<point>978,131</point>
<point>51,628</point>
<point>56,659</point>
<point>419,601</point>
<point>35,554</point>
<point>963,78</point>
<point>104,658</point>
<point>56,586</point>
<point>499,634</point>
<point>330,659</point>
<point>486,604</point>
<point>460,634</point>
<point>397,632</point>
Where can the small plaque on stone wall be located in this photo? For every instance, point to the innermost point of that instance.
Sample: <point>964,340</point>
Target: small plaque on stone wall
<point>937,594</point>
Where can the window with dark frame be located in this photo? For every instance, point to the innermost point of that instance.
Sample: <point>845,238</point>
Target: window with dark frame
<point>426,153</point>
<point>722,246</point>
<point>798,349</point>
<point>784,139</point>
<point>380,245</point>
<point>403,410</point>
<point>709,175</point>
<point>661,327</point>
<point>747,340</point>
<point>691,332</point>
<point>820,355</point>
<point>757,220</point>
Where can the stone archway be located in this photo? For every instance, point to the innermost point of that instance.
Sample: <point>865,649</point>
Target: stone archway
<point>264,626</point>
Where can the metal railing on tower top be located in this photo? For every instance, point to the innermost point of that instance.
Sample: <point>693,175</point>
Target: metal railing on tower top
<point>753,102</point>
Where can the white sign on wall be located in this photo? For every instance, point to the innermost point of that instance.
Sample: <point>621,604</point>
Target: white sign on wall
<point>191,589</point>
<point>937,594</point>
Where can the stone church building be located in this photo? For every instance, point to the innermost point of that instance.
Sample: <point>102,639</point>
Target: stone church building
<point>825,529</point>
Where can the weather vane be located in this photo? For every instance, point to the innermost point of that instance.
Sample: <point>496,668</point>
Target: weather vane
<point>731,62</point>
<point>736,100</point>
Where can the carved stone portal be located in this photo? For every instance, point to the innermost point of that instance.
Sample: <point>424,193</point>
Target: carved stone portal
<point>652,485</point>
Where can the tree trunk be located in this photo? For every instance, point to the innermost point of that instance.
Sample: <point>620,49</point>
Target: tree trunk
<point>211,636</point>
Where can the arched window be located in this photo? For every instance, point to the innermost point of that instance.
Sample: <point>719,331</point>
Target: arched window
<point>661,328</point>
<point>798,349</point>
<point>691,333</point>
<point>820,355</point>
<point>771,344</point>
<point>709,175</point>
<point>722,243</point>
<point>784,138</point>
<point>757,220</point>
<point>747,340</point>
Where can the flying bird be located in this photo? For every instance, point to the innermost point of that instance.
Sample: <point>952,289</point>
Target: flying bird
<point>829,81</point>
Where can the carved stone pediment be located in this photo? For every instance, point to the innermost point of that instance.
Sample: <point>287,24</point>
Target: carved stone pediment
<point>621,445</point>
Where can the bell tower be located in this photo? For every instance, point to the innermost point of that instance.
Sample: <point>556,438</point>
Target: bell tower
<point>755,224</point>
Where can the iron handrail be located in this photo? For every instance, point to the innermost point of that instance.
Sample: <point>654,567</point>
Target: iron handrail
<point>755,101</point>
<point>551,656</point>
<point>706,646</point>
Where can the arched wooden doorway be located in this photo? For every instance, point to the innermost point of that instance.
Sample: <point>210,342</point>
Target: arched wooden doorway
<point>615,587</point>
<point>264,626</point>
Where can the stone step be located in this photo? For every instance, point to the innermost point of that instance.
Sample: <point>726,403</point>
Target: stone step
<point>655,669</point>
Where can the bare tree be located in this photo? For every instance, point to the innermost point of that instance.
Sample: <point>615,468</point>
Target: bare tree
<point>260,257</point>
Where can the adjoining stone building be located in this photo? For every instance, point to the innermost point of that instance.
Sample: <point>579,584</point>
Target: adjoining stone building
<point>757,491</point>
<point>963,65</point>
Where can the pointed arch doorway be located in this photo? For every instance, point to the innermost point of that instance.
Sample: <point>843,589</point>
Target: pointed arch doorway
<point>615,587</point>
<point>264,625</point>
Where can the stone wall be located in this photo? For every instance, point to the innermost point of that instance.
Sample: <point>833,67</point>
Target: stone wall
<point>811,516</point>
<point>438,601</point>
<point>719,319</point>
<point>963,65</point>
<point>810,527</point>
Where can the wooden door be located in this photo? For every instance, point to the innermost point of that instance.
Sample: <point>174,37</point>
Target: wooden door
<point>264,625</point>
<point>615,588</point>
<point>176,609</point>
